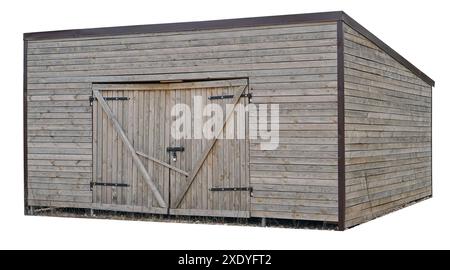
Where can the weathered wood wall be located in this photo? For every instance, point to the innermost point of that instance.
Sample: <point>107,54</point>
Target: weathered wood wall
<point>293,65</point>
<point>388,132</point>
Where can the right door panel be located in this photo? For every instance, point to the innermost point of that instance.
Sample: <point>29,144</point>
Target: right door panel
<point>220,186</point>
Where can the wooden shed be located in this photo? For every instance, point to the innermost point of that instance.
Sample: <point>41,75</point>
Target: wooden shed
<point>354,120</point>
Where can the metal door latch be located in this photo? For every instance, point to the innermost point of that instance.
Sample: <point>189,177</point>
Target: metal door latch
<point>172,150</point>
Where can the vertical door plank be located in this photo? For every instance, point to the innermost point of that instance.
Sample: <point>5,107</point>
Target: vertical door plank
<point>113,165</point>
<point>105,155</point>
<point>120,106</point>
<point>147,142</point>
<point>130,134</point>
<point>173,179</point>
<point>209,164</point>
<point>163,181</point>
<point>141,145</point>
<point>94,147</point>
<point>101,139</point>
<point>189,145</point>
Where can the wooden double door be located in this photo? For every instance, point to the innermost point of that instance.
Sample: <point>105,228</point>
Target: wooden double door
<point>142,164</point>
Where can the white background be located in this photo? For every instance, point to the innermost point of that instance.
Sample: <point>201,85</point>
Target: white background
<point>416,29</point>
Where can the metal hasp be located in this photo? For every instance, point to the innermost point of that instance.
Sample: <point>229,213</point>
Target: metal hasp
<point>92,98</point>
<point>104,184</point>
<point>231,189</point>
<point>249,95</point>
<point>173,151</point>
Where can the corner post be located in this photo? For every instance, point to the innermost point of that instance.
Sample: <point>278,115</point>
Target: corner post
<point>341,125</point>
<point>25,127</point>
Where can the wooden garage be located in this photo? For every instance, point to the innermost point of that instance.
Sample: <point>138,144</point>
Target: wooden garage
<point>353,120</point>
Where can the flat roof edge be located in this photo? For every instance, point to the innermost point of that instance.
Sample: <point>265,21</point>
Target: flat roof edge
<point>230,23</point>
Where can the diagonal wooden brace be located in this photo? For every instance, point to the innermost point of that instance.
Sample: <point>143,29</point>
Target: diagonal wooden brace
<point>130,147</point>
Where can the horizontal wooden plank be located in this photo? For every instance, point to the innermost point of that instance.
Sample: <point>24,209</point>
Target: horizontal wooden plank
<point>54,203</point>
<point>293,160</point>
<point>50,127</point>
<point>65,181</point>
<point>295,208</point>
<point>56,186</point>
<point>58,115</point>
<point>32,97</point>
<point>293,99</point>
<point>293,92</point>
<point>59,121</point>
<point>304,175</point>
<point>265,76</point>
<point>76,163</point>
<point>294,188</point>
<point>60,109</point>
<point>59,192</point>
<point>294,215</point>
<point>59,103</point>
<point>208,212</point>
<point>292,181</point>
<point>60,145</point>
<point>168,49</point>
<point>294,154</point>
<point>59,139</point>
<point>42,91</point>
<point>285,195</point>
<point>390,157</point>
<point>383,164</point>
<point>293,168</point>
<point>58,150</point>
<point>381,146</point>
<point>59,157</point>
<point>353,154</point>
<point>299,147</point>
<point>61,198</point>
<point>299,202</point>
<point>160,61</point>
<point>41,168</point>
<point>184,36</point>
<point>59,174</point>
<point>137,58</point>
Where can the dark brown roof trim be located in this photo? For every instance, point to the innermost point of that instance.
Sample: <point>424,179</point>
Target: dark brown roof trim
<point>230,23</point>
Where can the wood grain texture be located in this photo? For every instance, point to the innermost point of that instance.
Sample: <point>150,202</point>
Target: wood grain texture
<point>292,65</point>
<point>388,132</point>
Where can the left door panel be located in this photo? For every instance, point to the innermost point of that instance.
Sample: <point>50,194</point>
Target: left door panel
<point>117,182</point>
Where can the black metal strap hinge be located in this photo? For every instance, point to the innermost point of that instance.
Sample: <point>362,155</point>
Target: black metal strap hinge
<point>249,95</point>
<point>104,184</point>
<point>231,189</point>
<point>92,98</point>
